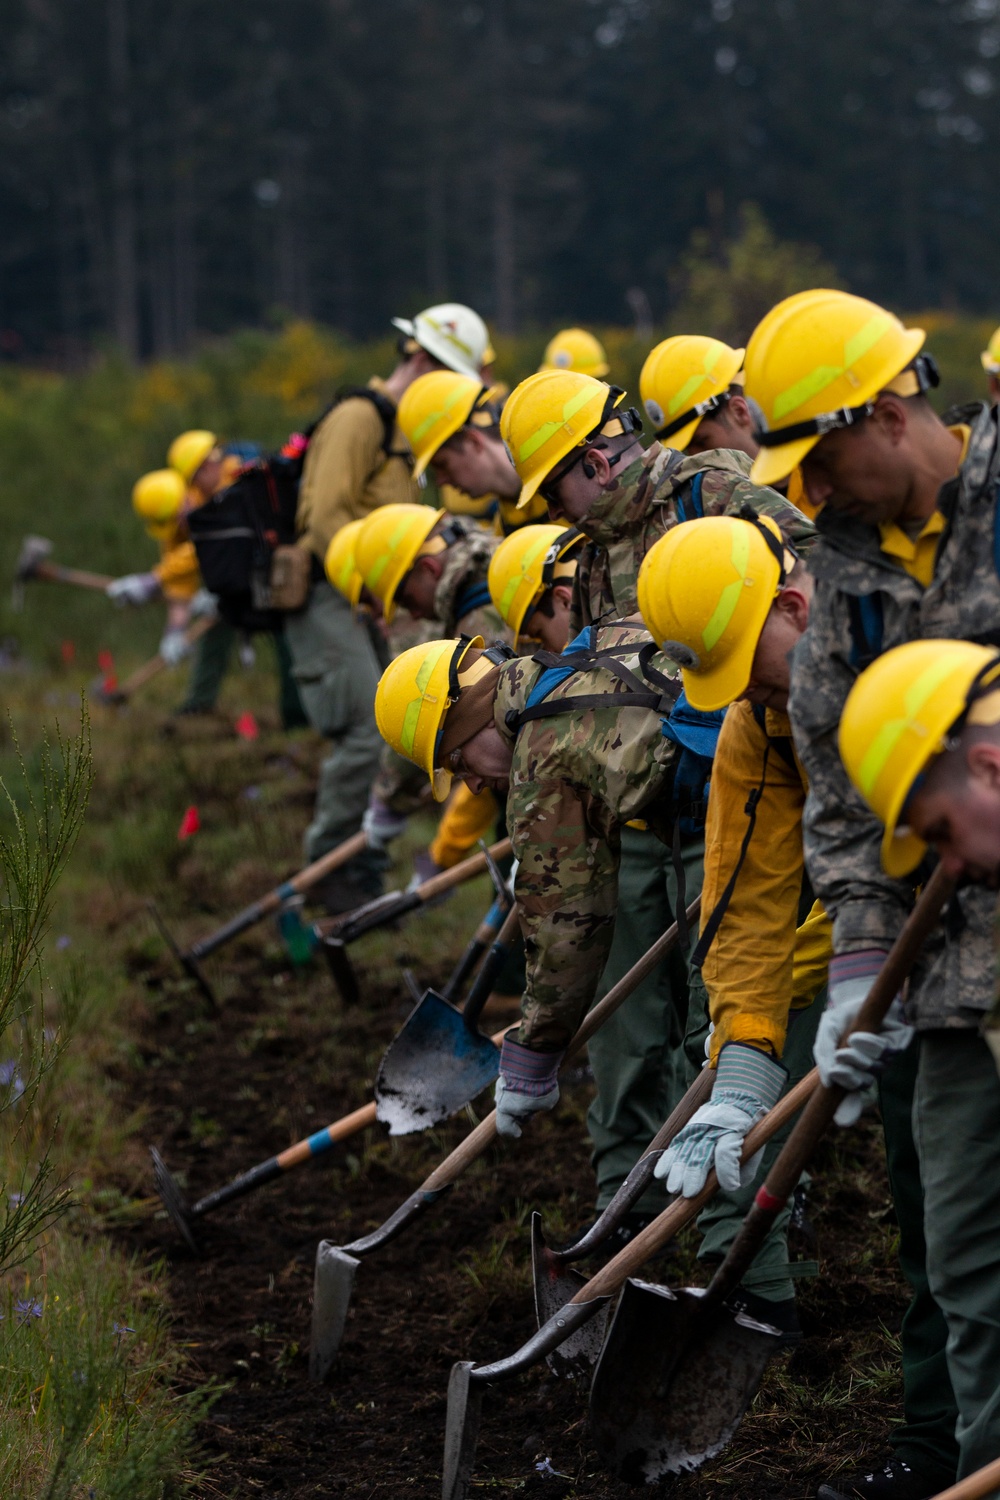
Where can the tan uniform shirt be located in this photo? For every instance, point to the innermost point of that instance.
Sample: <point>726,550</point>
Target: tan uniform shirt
<point>347,473</point>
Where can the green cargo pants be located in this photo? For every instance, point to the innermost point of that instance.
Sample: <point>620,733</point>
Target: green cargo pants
<point>956,1123</point>
<point>636,1056</point>
<point>337,660</point>
<point>211,662</point>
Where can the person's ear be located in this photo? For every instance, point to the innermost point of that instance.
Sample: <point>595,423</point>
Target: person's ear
<point>562,593</point>
<point>595,466</point>
<point>739,412</point>
<point>432,565</point>
<point>793,605</point>
<point>983,761</point>
<point>890,417</point>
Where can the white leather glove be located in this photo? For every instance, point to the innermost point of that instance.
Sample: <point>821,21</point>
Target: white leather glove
<point>173,647</point>
<point>380,824</point>
<point>857,1064</point>
<point>747,1084</point>
<point>203,603</point>
<point>133,588</point>
<point>527,1084</point>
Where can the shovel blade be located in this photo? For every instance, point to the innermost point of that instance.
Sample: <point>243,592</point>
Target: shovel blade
<point>333,1283</point>
<point>173,1200</point>
<point>673,1382</point>
<point>465,1405</point>
<point>435,1066</point>
<point>554,1287</point>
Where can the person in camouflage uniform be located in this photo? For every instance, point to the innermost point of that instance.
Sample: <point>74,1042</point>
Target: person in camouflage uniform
<point>905,551</point>
<point>629,499</point>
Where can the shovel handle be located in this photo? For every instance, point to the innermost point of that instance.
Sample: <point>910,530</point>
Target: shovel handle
<point>55,573</point>
<point>482,986</point>
<point>609,1003</point>
<point>612,1277</point>
<point>485,1132</point>
<point>438,884</point>
<point>975,1486</point>
<point>819,1112</point>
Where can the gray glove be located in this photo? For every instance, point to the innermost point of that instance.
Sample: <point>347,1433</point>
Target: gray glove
<point>380,824</point>
<point>173,647</point>
<point>857,1064</point>
<point>203,603</point>
<point>527,1084</point>
<point>133,588</point>
<point>747,1084</point>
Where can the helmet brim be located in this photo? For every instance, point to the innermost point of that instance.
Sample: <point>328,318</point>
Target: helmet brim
<point>709,691</point>
<point>902,851</point>
<point>772,465</point>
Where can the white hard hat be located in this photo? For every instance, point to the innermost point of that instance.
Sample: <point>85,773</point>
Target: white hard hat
<point>452,333</point>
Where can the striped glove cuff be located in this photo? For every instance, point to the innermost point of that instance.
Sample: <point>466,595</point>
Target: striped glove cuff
<point>747,1070</point>
<point>525,1071</point>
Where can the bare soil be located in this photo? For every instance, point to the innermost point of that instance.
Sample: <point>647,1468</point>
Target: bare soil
<point>284,1057</point>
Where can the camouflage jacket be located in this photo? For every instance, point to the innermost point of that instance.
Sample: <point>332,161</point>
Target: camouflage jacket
<point>954,982</point>
<point>652,495</point>
<point>466,564</point>
<point>399,783</point>
<point>575,779</point>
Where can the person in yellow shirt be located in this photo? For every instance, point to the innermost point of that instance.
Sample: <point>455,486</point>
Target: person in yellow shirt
<point>358,460</point>
<point>990,359</point>
<point>764,967</point>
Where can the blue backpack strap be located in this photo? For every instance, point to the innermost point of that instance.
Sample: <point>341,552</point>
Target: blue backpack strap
<point>696,734</point>
<point>867,629</point>
<point>690,506</point>
<point>473,596</point>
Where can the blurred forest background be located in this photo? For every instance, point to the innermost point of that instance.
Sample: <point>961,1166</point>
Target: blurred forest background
<point>181,169</point>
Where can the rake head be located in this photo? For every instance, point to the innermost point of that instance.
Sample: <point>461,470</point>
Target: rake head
<point>173,1200</point>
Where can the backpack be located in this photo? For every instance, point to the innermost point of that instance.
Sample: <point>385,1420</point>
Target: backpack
<point>245,535</point>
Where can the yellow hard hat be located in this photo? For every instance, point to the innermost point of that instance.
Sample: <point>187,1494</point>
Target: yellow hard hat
<point>553,412</point>
<point>414,694</point>
<point>432,410</point>
<point>389,543</point>
<point>705,590</point>
<point>816,362</point>
<point>684,379</point>
<point>575,349</point>
<point>341,565</point>
<point>158,496</point>
<point>991,354</point>
<point>528,562</point>
<point>899,715</point>
<point>188,452</point>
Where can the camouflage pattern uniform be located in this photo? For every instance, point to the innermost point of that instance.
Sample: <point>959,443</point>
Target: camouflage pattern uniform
<point>575,779</point>
<point>950,1196</point>
<point>650,497</point>
<point>636,1058</point>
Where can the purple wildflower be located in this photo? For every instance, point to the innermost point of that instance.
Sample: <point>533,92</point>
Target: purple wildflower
<point>11,1079</point>
<point>26,1309</point>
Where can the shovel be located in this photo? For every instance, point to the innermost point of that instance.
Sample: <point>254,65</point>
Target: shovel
<point>336,1265</point>
<point>678,1371</point>
<point>577,1327</point>
<point>440,1060</point>
<point>190,958</point>
<point>183,1214</point>
<point>334,933</point>
<point>116,696</point>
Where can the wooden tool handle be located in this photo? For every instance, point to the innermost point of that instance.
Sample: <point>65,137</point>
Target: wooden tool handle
<point>671,1221</point>
<point>976,1486</point>
<point>330,861</point>
<point>156,664</point>
<point>818,1114</point>
<point>698,1094</point>
<point>462,871</point>
<point>618,993</point>
<point>56,573</point>
<point>464,1154</point>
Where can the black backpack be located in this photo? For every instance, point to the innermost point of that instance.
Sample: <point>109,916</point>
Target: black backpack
<point>238,531</point>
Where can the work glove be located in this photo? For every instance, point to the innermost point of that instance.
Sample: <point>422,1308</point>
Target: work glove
<point>380,824</point>
<point>133,588</point>
<point>173,647</point>
<point>747,1084</point>
<point>424,869</point>
<point>203,603</point>
<point>856,1065</point>
<point>527,1084</point>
